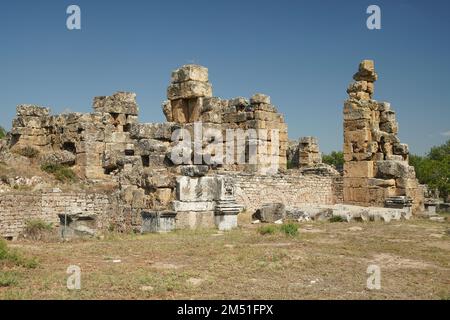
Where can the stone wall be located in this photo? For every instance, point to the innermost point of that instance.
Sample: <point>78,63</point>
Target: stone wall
<point>292,189</point>
<point>18,208</point>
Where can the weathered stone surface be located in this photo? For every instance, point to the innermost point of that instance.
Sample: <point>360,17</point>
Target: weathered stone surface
<point>194,170</point>
<point>28,110</point>
<point>59,157</point>
<point>259,98</point>
<point>158,221</point>
<point>190,72</point>
<point>167,110</point>
<point>270,212</point>
<point>120,102</point>
<point>366,72</point>
<point>159,131</point>
<point>392,169</point>
<point>196,189</point>
<point>189,89</point>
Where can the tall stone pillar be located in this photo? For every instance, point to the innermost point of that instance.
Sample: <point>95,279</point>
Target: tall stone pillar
<point>376,163</point>
<point>186,92</point>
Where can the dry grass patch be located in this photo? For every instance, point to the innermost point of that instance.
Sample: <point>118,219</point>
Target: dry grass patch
<point>243,264</point>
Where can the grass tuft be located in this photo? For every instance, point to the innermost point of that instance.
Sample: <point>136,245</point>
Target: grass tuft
<point>60,172</point>
<point>290,229</point>
<point>337,219</point>
<point>270,229</point>
<point>8,256</point>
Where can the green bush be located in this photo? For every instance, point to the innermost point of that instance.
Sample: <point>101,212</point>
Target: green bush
<point>28,152</point>
<point>290,229</point>
<point>270,229</point>
<point>34,229</point>
<point>337,219</point>
<point>8,256</point>
<point>60,172</point>
<point>2,133</point>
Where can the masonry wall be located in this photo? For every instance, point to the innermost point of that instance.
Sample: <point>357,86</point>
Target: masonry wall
<point>292,189</point>
<point>17,208</point>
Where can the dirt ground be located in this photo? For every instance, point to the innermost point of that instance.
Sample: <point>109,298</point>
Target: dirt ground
<point>325,261</point>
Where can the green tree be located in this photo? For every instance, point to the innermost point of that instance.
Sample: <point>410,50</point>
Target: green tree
<point>434,168</point>
<point>335,158</point>
<point>2,133</point>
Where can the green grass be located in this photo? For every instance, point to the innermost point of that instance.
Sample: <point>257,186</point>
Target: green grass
<point>35,228</point>
<point>290,229</point>
<point>60,172</point>
<point>337,219</point>
<point>12,257</point>
<point>270,229</point>
<point>8,279</point>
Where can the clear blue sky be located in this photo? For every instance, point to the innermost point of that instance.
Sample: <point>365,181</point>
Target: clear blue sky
<point>301,53</point>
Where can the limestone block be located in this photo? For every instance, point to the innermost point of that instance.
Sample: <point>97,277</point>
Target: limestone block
<point>189,89</point>
<point>238,102</point>
<point>359,169</point>
<point>158,221</point>
<point>167,110</point>
<point>356,182</point>
<point>180,110</point>
<point>194,170</point>
<point>214,104</point>
<point>119,102</point>
<point>373,182</point>
<point>59,157</point>
<point>190,72</point>
<point>192,206</point>
<point>357,86</point>
<point>159,131</point>
<point>401,148</point>
<point>387,116</point>
<point>149,146</point>
<point>358,124</point>
<point>196,189</point>
<point>212,116</point>
<point>360,136</point>
<point>32,110</point>
<point>389,127</point>
<point>195,220</point>
<point>366,72</point>
<point>163,196</point>
<point>226,222</point>
<point>390,169</point>
<point>260,98</point>
<point>354,112</point>
<point>270,212</point>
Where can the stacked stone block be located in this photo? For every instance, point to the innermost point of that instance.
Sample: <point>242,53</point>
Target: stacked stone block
<point>376,163</point>
<point>190,100</point>
<point>31,128</point>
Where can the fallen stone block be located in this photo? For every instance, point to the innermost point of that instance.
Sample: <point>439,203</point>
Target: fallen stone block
<point>270,212</point>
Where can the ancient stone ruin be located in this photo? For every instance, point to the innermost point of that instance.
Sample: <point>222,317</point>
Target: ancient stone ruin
<point>211,160</point>
<point>376,170</point>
